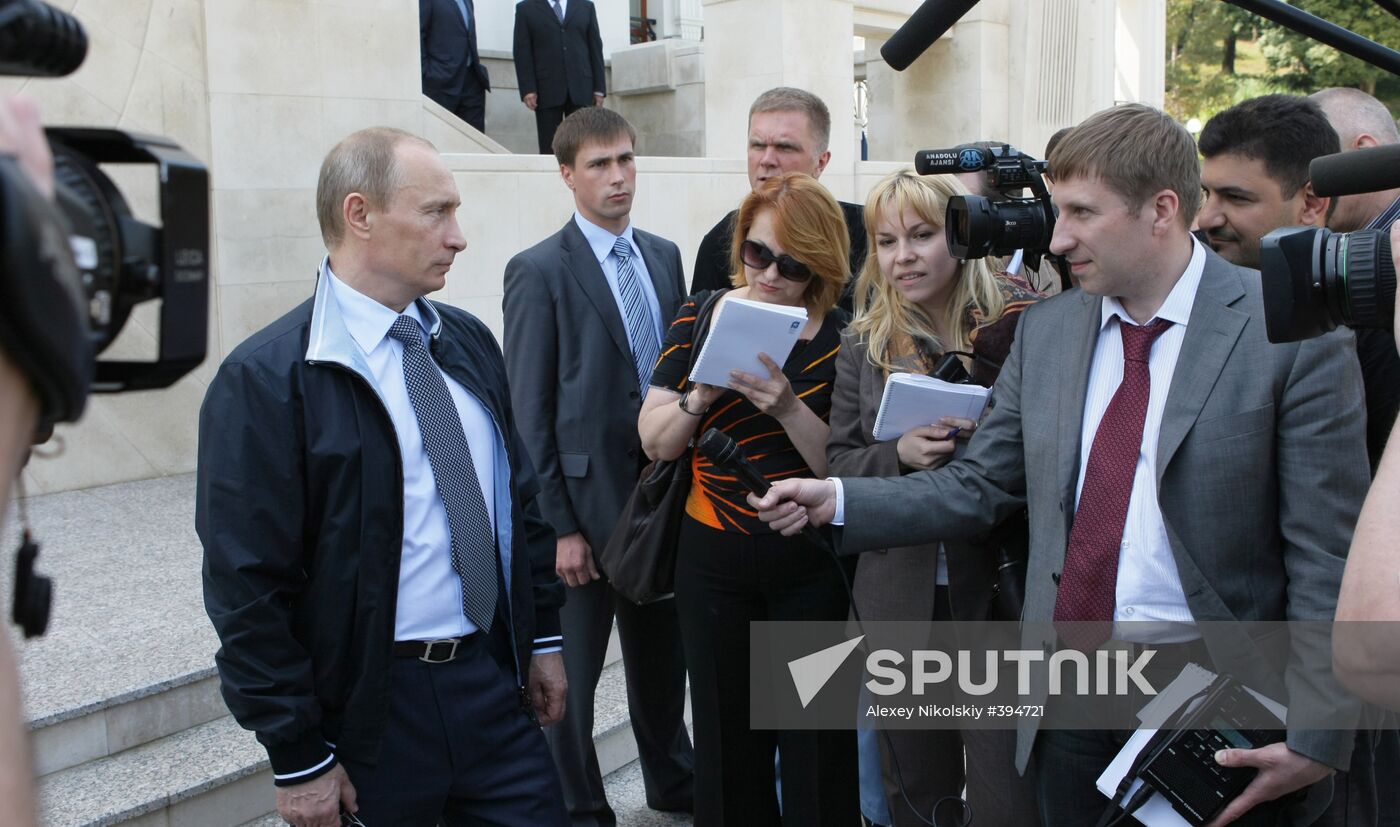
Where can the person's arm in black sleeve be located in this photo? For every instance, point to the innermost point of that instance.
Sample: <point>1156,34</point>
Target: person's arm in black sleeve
<point>249,514</point>
<point>712,260</point>
<point>595,53</point>
<point>524,56</point>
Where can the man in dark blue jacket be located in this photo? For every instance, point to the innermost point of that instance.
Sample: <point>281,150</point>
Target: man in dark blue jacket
<point>375,561</point>
<point>452,71</point>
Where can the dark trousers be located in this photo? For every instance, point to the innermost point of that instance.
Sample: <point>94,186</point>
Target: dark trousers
<point>935,763</point>
<point>651,656</point>
<point>471,106</point>
<point>547,120</point>
<point>724,581</point>
<point>458,750</point>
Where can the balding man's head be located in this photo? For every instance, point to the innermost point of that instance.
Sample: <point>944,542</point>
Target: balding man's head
<point>1355,115</point>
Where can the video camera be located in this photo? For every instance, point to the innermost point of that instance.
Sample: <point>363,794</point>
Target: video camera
<point>977,226</point>
<point>1315,279</point>
<point>72,269</point>
<point>70,275</point>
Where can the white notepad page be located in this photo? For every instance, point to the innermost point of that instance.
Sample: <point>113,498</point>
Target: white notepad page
<point>739,331</point>
<point>912,400</point>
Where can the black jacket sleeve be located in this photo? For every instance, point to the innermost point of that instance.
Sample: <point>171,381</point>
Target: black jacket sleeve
<point>595,52</point>
<point>249,514</point>
<point>712,259</point>
<point>524,54</point>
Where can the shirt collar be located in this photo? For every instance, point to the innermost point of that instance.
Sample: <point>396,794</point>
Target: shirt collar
<point>369,321</point>
<point>600,240</point>
<point>1177,308</point>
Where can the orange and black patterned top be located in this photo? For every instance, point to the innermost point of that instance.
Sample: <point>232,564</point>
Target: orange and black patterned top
<point>717,499</point>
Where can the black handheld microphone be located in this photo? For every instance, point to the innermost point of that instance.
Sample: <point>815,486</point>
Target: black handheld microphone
<point>1361,170</point>
<point>39,40</point>
<point>928,23</point>
<point>725,453</point>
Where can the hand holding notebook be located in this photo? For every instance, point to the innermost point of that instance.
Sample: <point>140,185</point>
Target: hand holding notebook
<point>911,400</point>
<point>741,330</point>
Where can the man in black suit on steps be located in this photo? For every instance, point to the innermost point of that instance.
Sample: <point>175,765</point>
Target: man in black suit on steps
<point>452,71</point>
<point>558,61</point>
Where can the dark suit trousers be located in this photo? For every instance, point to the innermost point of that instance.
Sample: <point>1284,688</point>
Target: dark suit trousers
<point>547,120</point>
<point>458,750</point>
<point>471,106</point>
<point>655,669</point>
<point>724,581</point>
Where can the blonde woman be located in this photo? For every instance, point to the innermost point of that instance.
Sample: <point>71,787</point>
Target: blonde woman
<point>914,304</point>
<point>789,247</point>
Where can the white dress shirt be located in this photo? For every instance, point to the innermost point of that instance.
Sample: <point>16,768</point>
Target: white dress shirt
<point>1149,585</point>
<point>601,242</point>
<point>430,590</point>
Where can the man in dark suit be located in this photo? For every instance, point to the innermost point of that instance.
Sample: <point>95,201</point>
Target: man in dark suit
<point>788,132</point>
<point>1176,465</point>
<point>558,61</point>
<point>452,71</point>
<point>375,560</point>
<point>585,313</point>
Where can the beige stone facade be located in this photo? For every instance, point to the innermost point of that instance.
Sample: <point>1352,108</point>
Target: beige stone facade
<point>260,89</point>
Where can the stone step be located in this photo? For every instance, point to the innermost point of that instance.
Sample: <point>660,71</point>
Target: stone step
<point>208,775</point>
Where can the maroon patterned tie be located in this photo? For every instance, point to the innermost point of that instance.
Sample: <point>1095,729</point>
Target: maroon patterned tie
<point>1090,579</point>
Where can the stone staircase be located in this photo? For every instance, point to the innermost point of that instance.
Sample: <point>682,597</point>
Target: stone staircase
<point>124,709</point>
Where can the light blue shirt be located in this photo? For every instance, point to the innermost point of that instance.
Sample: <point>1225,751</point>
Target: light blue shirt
<point>601,242</point>
<point>430,590</point>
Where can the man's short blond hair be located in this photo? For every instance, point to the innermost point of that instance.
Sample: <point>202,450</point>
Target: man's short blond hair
<point>1136,151</point>
<point>364,162</point>
<point>789,99</point>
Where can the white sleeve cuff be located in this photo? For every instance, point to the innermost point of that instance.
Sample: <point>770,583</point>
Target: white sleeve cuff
<point>840,518</point>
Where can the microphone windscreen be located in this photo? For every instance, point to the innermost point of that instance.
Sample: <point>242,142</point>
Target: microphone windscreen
<point>1360,170</point>
<point>928,23</point>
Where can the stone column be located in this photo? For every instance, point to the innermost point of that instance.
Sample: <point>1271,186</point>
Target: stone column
<point>957,91</point>
<point>690,19</point>
<point>1139,54</point>
<point>755,45</point>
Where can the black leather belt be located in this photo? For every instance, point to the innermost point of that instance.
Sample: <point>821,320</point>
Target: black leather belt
<point>442,650</point>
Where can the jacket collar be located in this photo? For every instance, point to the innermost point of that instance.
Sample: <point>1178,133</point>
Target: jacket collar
<point>330,339</point>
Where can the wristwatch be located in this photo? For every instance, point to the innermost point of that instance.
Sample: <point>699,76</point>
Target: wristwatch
<point>685,396</point>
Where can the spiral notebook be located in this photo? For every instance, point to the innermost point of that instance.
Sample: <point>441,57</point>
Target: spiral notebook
<point>912,399</point>
<point>740,330</point>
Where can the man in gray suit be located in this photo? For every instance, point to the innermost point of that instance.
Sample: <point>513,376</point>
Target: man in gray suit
<point>585,312</point>
<point>1205,476</point>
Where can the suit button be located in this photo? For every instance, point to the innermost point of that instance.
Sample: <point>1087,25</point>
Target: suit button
<point>632,452</point>
<point>634,395</point>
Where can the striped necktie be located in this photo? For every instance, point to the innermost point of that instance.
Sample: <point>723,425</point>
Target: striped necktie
<point>636,315</point>
<point>558,10</point>
<point>473,544</point>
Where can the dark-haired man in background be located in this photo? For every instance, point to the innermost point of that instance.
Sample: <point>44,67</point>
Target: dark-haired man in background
<point>558,61</point>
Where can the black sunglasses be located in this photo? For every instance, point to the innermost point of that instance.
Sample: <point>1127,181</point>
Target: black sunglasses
<point>759,257</point>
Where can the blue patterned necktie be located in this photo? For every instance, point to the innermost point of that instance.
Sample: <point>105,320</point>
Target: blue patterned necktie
<point>558,10</point>
<point>640,333</point>
<point>473,545</point>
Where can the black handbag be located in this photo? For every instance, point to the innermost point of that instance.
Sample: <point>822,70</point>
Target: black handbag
<point>640,556</point>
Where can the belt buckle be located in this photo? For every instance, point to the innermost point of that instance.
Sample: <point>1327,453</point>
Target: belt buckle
<point>427,656</point>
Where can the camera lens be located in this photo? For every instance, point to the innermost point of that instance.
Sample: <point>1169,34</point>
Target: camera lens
<point>1359,278</point>
<point>1315,280</point>
<point>979,227</point>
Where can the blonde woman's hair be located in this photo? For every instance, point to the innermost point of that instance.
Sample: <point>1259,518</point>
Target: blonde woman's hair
<point>894,327</point>
<point>812,229</point>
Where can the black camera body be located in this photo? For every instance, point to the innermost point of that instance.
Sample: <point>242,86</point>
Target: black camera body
<point>977,226</point>
<point>1314,279</point>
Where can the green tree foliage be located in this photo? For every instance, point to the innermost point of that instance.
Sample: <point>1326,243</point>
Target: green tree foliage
<point>1219,55</point>
<point>1304,64</point>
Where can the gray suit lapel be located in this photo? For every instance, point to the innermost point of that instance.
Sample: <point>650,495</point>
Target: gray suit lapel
<point>660,271</point>
<point>1211,333</point>
<point>1079,332</point>
<point>581,264</point>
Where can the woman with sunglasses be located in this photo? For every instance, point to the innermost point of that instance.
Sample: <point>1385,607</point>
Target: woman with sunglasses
<point>915,303</point>
<point>790,247</point>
